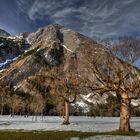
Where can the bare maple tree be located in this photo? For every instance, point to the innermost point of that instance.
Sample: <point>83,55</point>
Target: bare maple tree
<point>126,48</point>
<point>65,88</point>
<point>64,84</point>
<point>38,101</point>
<point>37,105</point>
<point>15,104</point>
<point>124,82</point>
<point>60,107</point>
<point>4,91</point>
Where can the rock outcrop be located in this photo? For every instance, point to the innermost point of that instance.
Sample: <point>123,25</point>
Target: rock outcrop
<point>4,33</point>
<point>10,48</point>
<point>56,47</point>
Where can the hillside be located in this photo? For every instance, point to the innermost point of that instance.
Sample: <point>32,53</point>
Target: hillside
<point>10,49</point>
<point>56,50</point>
<point>4,33</point>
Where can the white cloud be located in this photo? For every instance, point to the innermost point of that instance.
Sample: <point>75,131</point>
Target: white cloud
<point>101,18</point>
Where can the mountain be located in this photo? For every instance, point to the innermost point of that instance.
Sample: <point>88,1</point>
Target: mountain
<point>4,33</point>
<point>10,49</point>
<point>56,50</point>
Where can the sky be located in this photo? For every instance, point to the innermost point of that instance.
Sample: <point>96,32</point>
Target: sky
<point>94,18</point>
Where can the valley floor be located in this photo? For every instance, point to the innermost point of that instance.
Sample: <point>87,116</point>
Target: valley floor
<point>78,123</point>
<point>83,124</point>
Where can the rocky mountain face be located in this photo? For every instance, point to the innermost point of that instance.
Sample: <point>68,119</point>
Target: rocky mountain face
<point>10,48</point>
<point>63,50</point>
<point>4,33</point>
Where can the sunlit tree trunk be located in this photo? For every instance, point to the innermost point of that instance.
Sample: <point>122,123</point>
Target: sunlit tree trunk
<point>125,113</point>
<point>42,115</point>
<point>32,118</point>
<point>66,117</point>
<point>2,110</point>
<point>2,105</point>
<point>35,116</point>
<point>10,111</point>
<point>13,112</point>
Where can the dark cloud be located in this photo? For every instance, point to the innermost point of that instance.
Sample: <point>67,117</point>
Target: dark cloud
<point>100,18</point>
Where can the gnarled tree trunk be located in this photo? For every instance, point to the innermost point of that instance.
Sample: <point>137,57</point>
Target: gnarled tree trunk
<point>2,110</point>
<point>125,113</point>
<point>66,117</point>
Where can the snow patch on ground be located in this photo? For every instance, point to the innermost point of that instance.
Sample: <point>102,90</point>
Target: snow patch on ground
<point>83,105</point>
<point>78,123</point>
<point>94,98</point>
<point>109,138</point>
<point>53,123</point>
<point>135,102</point>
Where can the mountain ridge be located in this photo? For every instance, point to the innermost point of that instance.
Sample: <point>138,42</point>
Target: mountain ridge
<point>3,33</point>
<point>56,48</point>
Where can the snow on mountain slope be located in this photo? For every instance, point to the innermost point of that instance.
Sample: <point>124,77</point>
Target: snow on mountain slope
<point>56,47</point>
<point>4,33</point>
<point>11,48</point>
<point>8,61</point>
